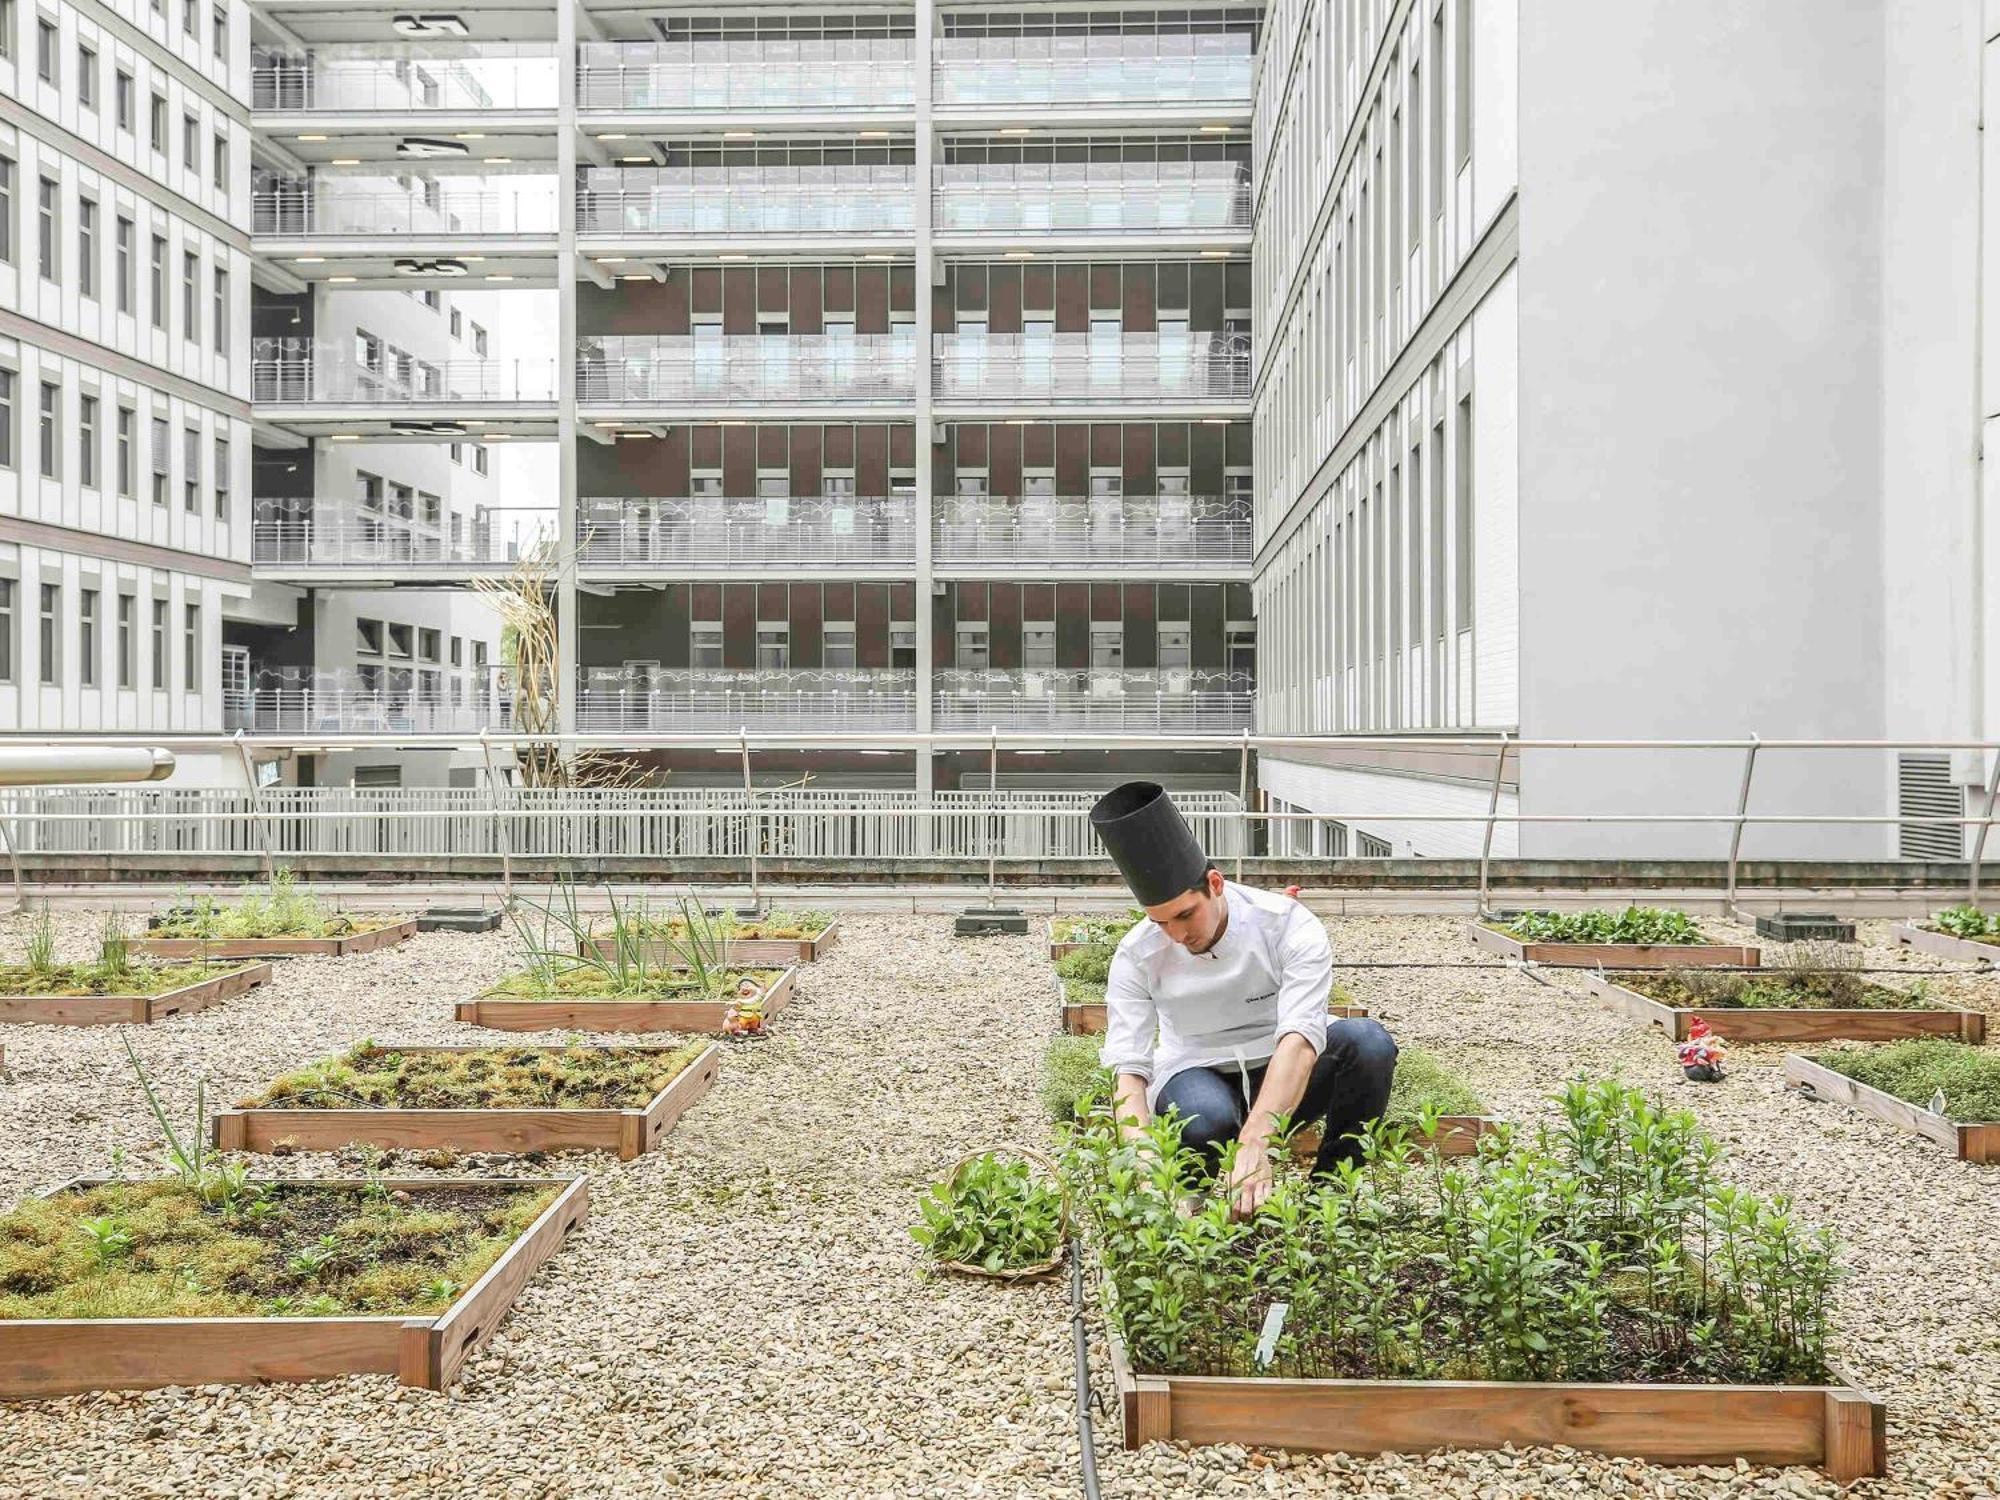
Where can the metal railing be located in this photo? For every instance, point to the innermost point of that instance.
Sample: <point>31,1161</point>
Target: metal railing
<point>1079,368</point>
<point>1094,69</point>
<point>763,75</point>
<point>746,200</point>
<point>644,532</point>
<point>1114,700</point>
<point>728,369</point>
<point>360,711</point>
<point>330,212</point>
<point>344,536</point>
<point>720,699</point>
<point>1086,197</point>
<point>1077,531</point>
<point>306,372</point>
<point>388,79</point>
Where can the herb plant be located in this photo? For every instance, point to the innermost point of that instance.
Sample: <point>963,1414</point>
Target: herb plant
<point>1966,922</point>
<point>1084,928</point>
<point>994,1213</point>
<point>283,908</point>
<point>1091,964</point>
<point>1915,1070</point>
<point>1635,924</point>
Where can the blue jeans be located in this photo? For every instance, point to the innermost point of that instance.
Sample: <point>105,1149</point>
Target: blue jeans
<point>1349,1087</point>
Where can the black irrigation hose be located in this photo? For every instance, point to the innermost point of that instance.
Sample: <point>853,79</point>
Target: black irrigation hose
<point>1079,1335</point>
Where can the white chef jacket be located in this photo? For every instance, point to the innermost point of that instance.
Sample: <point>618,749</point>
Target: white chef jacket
<point>1168,1010</point>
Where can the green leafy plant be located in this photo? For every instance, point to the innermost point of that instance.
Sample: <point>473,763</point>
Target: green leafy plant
<point>283,908</point>
<point>1635,924</point>
<point>40,958</point>
<point>114,947</point>
<point>994,1213</point>
<point>109,1238</point>
<point>1915,1070</point>
<point>1085,928</point>
<point>1966,922</point>
<point>1091,964</point>
<point>1072,1078</point>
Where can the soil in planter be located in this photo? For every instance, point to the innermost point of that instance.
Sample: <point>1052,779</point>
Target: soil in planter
<point>586,983</point>
<point>75,980</point>
<point>160,1250</point>
<point>488,1078</point>
<point>1693,989</point>
<point>1569,1253</point>
<point>1915,1070</point>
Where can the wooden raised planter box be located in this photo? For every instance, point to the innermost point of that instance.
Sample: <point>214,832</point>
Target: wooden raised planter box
<point>1059,946</point>
<point>279,947</point>
<point>1456,1135</point>
<point>1975,1142</point>
<point>1090,1019</point>
<point>504,1013</point>
<point>629,1132</point>
<point>1943,944</point>
<point>1755,1024</point>
<point>1837,1428</point>
<point>61,1356</point>
<point>1616,955</point>
<point>743,953</point>
<point>110,1010</point>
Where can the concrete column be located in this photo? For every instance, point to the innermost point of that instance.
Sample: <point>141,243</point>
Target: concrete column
<point>567,630</point>
<point>926,143</point>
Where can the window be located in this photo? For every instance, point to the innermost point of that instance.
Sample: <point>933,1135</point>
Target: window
<point>121,94</point>
<point>86,247</point>
<point>774,645</point>
<point>837,644</point>
<point>1038,644</point>
<point>48,200</point>
<point>125,606</point>
<point>191,143</point>
<point>160,460</point>
<point>219,322</point>
<point>6,419</point>
<point>222,479</point>
<point>7,209</point>
<point>159,645</point>
<point>190,296</point>
<point>368,636</point>
<point>122,263</point>
<point>6,28</point>
<point>45,52</point>
<point>86,77</point>
<point>218,36</point>
<point>478,341</point>
<point>973,646</point>
<point>51,403</point>
<point>159,123</point>
<point>1461,25</point>
<point>51,623</point>
<point>705,643</point>
<point>190,18</point>
<point>86,441</point>
<point>191,467</point>
<point>191,648</point>
<point>428,645</point>
<point>457,324</point>
<point>221,172</point>
<point>400,641</point>
<point>479,458</point>
<point>6,630</point>
<point>159,282</point>
<point>127,421</point>
<point>1462,582</point>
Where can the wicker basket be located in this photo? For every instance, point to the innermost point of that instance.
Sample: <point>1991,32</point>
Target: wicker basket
<point>1018,1273</point>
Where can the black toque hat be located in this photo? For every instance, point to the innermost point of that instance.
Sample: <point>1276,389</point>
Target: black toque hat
<point>1144,833</point>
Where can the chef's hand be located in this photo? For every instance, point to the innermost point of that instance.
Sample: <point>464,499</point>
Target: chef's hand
<point>1250,1178</point>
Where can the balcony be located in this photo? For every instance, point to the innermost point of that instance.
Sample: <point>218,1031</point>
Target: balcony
<point>1071,199</point>
<point>799,78</point>
<point>723,370</point>
<point>392,80</point>
<point>305,211</point>
<point>361,546</point>
<point>1205,533</point>
<point>719,700</point>
<point>726,202</point>
<point>1139,70</point>
<point>1093,699</point>
<point>393,700</point>
<point>805,533</point>
<point>1063,370</point>
<point>309,372</point>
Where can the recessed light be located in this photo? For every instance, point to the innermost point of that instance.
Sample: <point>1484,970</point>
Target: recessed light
<point>611,260</point>
<point>499,437</point>
<point>312,137</point>
<point>345,161</point>
<point>739,135</point>
<point>347,437</point>
<point>309,260</point>
<point>498,276</point>
<point>1020,255</point>
<point>471,135</point>
<point>877,255</point>
<point>1020,421</point>
<point>343,278</point>
<point>872,134</point>
<point>640,276</point>
<point>1216,421</point>
<point>1217,129</point>
<point>477,260</point>
<point>1016,130</point>
<point>1218,254</point>
<point>635,158</point>
<point>733,255</point>
<point>498,161</point>
<point>618,137</point>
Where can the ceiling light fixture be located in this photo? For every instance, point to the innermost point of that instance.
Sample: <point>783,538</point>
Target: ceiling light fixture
<point>346,161</point>
<point>343,278</point>
<point>498,276</point>
<point>498,161</point>
<point>309,260</point>
<point>619,137</point>
<point>312,137</point>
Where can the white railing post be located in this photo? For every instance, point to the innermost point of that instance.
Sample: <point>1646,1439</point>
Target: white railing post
<point>1242,805</point>
<point>756,820</point>
<point>502,835</point>
<point>1492,811</point>
<point>257,806</point>
<point>14,860</point>
<point>1736,829</point>
<point>993,818</point>
<point>1979,838</point>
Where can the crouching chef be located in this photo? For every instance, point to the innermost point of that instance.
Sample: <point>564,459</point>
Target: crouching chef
<point>1217,1005</point>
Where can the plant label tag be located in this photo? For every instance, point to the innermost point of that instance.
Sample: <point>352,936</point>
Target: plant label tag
<point>1267,1341</point>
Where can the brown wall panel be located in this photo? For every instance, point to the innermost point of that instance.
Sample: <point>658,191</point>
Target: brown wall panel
<point>1172,441</point>
<point>704,288</point>
<point>1003,299</point>
<point>739,624</point>
<point>772,602</point>
<point>903,446</point>
<point>1003,460</point>
<point>1003,624</point>
<point>1038,288</point>
<point>1105,603</point>
<point>1106,292</point>
<point>1173,601</point>
<point>806,635</point>
<point>774,448</point>
<point>968,284</point>
<point>705,447</point>
<point>1236,284</point>
<point>903,602</point>
<point>871,299</point>
<point>1142,639</point>
<point>674,625</point>
<point>1171,285</point>
<point>871,460</point>
<point>1141,475</point>
<point>1205,637</point>
<point>705,601</point>
<point>971,600</point>
<point>1072,459</point>
<point>673,460</point>
<point>1072,298</point>
<point>739,299</point>
<point>1236,602</point>
<point>1240,446</point>
<point>739,460</point>
<point>1038,445</point>
<point>1072,624</point>
<point>944,312</point>
<point>1038,601</point>
<point>838,600</point>
<point>944,463</point>
<point>774,289</point>
<point>971,445</point>
<point>804,308</point>
<point>805,464</point>
<point>838,289</point>
<point>871,624</point>
<point>1205,296</point>
<point>1140,299</point>
<point>944,628</point>
<point>903,288</point>
<point>1107,442</point>
<point>1205,445</point>
<point>837,447</point>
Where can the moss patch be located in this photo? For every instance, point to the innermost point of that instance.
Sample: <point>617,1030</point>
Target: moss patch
<point>281,909</point>
<point>1422,1082</point>
<point>1915,1070</point>
<point>1084,927</point>
<point>95,980</point>
<point>157,1250</point>
<point>488,1078</point>
<point>1789,991</point>
<point>585,983</point>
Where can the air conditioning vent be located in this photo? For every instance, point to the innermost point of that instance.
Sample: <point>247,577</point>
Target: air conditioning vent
<point>1924,789</point>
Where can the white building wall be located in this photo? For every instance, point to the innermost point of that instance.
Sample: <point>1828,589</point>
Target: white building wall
<point>1348,795</point>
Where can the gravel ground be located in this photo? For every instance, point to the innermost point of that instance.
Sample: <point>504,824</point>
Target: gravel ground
<point>744,1315</point>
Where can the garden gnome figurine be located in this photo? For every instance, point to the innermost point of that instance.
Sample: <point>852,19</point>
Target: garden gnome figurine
<point>1702,1053</point>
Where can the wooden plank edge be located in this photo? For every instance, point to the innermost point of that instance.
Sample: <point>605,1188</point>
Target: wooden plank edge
<point>659,1117</point>
<point>1817,1081</point>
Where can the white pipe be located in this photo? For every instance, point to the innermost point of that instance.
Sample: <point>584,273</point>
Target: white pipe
<point>65,765</point>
